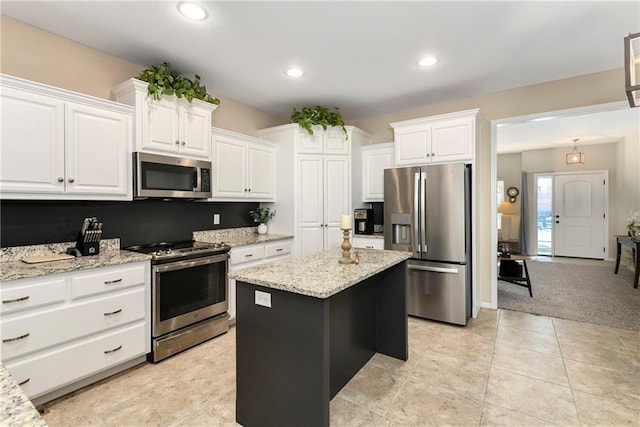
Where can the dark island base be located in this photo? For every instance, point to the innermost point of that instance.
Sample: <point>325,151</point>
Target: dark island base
<point>294,357</point>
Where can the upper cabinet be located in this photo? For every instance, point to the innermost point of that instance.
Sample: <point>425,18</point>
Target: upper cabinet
<point>331,141</point>
<point>437,139</point>
<point>375,159</point>
<point>244,167</point>
<point>168,126</point>
<point>58,144</point>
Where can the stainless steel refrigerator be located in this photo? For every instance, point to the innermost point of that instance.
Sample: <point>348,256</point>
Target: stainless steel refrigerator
<point>427,211</point>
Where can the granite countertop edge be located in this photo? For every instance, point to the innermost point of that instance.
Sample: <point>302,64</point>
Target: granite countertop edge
<point>267,274</point>
<point>16,410</point>
<point>15,270</point>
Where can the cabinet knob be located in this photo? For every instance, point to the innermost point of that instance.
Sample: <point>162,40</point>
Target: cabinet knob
<point>249,190</point>
<point>177,142</point>
<point>428,154</point>
<point>61,179</point>
<point>72,180</point>
<point>183,143</point>
<point>433,154</point>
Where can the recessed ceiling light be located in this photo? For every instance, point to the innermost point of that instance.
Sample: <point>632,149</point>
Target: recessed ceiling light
<point>294,72</point>
<point>428,61</point>
<point>192,11</point>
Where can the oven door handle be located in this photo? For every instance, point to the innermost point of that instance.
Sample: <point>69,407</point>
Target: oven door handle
<point>179,265</point>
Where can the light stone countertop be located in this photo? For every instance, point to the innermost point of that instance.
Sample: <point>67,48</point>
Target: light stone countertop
<point>319,275</point>
<point>235,237</point>
<point>13,268</point>
<point>16,410</point>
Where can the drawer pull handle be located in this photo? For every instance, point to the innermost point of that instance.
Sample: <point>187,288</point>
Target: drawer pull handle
<point>16,338</point>
<point>369,247</point>
<point>279,250</point>
<point>113,312</point>
<point>24,382</point>
<point>7,301</point>
<point>111,282</point>
<point>114,350</point>
<point>248,255</point>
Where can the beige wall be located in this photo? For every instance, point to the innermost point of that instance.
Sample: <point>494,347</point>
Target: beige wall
<point>37,55</point>
<point>592,89</point>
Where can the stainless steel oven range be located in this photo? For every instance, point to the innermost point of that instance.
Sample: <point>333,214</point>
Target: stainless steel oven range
<point>189,298</point>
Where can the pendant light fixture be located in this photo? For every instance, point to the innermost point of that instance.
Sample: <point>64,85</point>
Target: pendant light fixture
<point>575,157</point>
<point>632,68</point>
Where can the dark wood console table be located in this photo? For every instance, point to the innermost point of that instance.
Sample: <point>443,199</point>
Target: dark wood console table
<point>634,244</point>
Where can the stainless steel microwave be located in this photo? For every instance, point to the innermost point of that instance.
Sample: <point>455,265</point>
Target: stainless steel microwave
<point>156,176</point>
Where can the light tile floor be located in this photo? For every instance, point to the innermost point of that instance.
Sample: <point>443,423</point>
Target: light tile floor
<point>504,368</point>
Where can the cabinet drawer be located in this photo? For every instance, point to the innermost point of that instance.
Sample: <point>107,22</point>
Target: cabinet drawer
<point>26,334</point>
<point>279,248</point>
<point>107,280</point>
<point>50,370</point>
<point>23,295</point>
<point>247,254</point>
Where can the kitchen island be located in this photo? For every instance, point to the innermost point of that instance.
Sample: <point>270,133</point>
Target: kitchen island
<point>306,325</point>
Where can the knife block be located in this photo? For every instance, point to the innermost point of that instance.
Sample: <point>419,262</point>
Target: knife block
<point>88,248</point>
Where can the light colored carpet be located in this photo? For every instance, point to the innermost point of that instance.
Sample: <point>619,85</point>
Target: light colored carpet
<point>584,293</point>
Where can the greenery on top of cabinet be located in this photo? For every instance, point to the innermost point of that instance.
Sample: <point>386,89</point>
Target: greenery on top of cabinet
<point>163,80</point>
<point>318,115</point>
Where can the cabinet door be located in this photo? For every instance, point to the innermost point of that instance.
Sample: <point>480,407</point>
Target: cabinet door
<point>32,138</point>
<point>229,172</point>
<point>337,196</point>
<point>195,136</point>
<point>413,146</point>
<point>374,162</point>
<point>311,221</point>
<point>162,132</point>
<point>311,144</point>
<point>335,141</point>
<point>97,147</point>
<point>452,140</point>
<point>261,172</point>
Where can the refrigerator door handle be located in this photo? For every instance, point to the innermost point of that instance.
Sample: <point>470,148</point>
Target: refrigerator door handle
<point>434,269</point>
<point>423,211</point>
<point>417,244</point>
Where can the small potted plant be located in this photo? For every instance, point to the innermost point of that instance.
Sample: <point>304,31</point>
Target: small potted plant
<point>318,115</point>
<point>163,80</point>
<point>262,215</point>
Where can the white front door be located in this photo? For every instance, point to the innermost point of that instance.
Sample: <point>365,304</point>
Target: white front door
<point>579,215</point>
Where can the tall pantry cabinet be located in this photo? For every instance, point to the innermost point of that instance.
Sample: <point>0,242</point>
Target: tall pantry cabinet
<point>313,183</point>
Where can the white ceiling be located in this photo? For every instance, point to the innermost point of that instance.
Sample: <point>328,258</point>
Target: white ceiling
<point>360,56</point>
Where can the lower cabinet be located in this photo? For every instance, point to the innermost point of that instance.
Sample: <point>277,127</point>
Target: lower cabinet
<point>90,321</point>
<point>366,242</point>
<point>250,256</point>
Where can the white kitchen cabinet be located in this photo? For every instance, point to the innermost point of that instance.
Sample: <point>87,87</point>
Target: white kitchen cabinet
<point>437,139</point>
<point>244,167</point>
<point>169,126</point>
<point>324,196</point>
<point>330,141</point>
<point>375,159</point>
<point>58,330</point>
<point>250,256</point>
<point>313,183</point>
<point>58,144</point>
<point>367,242</point>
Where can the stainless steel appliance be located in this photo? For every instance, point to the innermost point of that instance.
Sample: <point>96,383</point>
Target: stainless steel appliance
<point>189,298</point>
<point>363,219</point>
<point>427,211</point>
<point>170,177</point>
